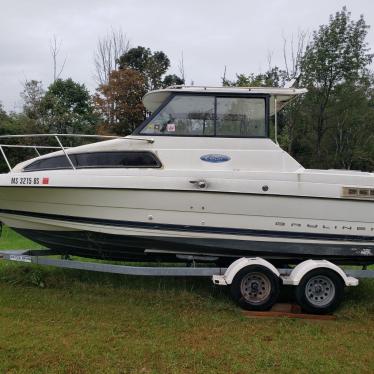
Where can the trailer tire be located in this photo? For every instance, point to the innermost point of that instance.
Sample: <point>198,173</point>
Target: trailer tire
<point>320,291</point>
<point>255,287</point>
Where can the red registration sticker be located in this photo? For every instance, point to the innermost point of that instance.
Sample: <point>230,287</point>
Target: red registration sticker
<point>45,180</point>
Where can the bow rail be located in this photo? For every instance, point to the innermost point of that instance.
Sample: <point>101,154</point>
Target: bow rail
<point>60,146</point>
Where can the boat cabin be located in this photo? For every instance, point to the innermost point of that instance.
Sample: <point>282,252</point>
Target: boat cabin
<point>213,111</point>
<point>234,120</point>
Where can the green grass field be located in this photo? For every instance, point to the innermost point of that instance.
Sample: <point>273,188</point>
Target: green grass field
<point>64,321</point>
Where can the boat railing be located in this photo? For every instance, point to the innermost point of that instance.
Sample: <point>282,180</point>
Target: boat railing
<point>60,147</point>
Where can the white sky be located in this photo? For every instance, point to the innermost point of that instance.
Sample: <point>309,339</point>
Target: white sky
<point>211,33</point>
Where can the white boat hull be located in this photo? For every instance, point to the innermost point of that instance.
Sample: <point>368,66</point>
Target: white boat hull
<point>122,223</point>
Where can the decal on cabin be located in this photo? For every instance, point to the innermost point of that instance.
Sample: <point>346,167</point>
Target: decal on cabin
<point>215,158</point>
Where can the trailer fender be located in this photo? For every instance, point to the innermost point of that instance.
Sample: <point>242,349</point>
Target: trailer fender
<point>238,265</point>
<point>305,267</point>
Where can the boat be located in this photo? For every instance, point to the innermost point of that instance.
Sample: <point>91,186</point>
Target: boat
<point>199,180</point>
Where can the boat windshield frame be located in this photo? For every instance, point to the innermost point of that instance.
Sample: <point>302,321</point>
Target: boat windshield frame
<point>266,97</point>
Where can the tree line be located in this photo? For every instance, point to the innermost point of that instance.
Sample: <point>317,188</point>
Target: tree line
<point>331,126</point>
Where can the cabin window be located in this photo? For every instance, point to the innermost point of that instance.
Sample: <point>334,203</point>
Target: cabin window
<point>242,117</point>
<point>50,163</point>
<point>184,115</point>
<point>117,159</point>
<point>200,115</point>
<point>130,159</point>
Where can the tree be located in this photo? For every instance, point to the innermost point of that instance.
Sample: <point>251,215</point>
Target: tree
<point>274,77</point>
<point>352,134</point>
<point>172,80</point>
<point>136,58</point>
<point>32,96</point>
<point>336,54</point>
<point>109,49</point>
<point>6,128</point>
<point>55,47</point>
<point>152,66</point>
<point>12,124</point>
<point>120,101</point>
<point>293,54</point>
<point>67,108</point>
<point>3,115</point>
<point>4,120</point>
<point>157,66</point>
<point>290,124</point>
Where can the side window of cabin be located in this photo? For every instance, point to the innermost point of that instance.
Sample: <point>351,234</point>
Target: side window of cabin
<point>50,163</point>
<point>184,115</point>
<point>97,160</point>
<point>117,159</point>
<point>242,117</point>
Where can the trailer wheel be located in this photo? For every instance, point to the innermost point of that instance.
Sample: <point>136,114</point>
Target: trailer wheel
<point>320,291</point>
<point>255,287</point>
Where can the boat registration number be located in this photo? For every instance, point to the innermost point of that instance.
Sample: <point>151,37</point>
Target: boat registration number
<point>28,181</point>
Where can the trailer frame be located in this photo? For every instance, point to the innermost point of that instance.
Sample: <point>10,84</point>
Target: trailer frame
<point>254,282</point>
<point>42,257</point>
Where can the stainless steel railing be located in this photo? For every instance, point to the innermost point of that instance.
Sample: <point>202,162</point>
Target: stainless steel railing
<point>60,146</point>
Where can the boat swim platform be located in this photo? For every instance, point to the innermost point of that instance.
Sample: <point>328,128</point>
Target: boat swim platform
<point>43,257</point>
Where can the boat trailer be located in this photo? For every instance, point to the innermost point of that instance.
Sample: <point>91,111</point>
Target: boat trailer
<point>43,257</point>
<point>319,283</point>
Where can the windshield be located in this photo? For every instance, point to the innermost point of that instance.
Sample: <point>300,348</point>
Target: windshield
<point>200,115</point>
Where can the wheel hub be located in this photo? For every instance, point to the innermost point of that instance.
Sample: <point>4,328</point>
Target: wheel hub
<point>255,287</point>
<point>320,290</point>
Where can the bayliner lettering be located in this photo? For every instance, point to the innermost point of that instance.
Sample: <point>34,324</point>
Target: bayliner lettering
<point>325,227</point>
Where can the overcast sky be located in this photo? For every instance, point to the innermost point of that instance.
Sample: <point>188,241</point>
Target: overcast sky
<point>240,34</point>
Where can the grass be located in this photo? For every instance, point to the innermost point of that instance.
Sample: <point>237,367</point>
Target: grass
<point>65,321</point>
<point>11,240</point>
